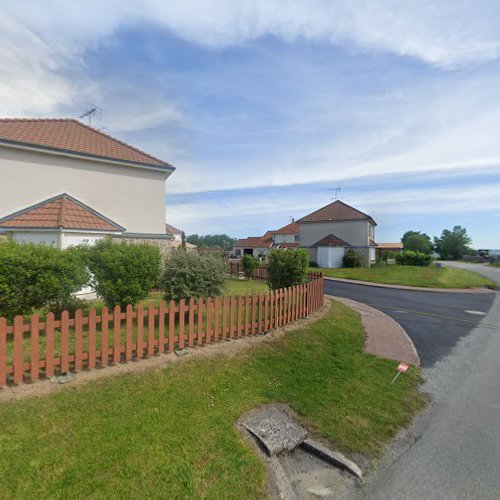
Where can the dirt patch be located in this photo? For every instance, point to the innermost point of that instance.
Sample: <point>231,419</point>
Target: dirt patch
<point>229,348</point>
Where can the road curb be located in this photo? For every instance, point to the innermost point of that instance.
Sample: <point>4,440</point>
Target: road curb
<point>412,288</point>
<point>385,337</point>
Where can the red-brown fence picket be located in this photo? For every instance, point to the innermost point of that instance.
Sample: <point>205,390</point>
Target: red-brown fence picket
<point>45,347</point>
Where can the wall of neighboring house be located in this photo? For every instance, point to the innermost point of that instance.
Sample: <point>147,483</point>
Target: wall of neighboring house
<point>131,197</point>
<point>285,238</point>
<point>354,232</point>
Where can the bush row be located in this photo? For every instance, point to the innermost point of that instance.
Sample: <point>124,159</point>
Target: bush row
<point>38,277</point>
<point>411,258</point>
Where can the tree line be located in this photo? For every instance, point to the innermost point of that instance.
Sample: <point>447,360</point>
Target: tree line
<point>452,244</point>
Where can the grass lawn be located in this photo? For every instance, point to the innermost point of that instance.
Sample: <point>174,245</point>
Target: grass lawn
<point>431,277</point>
<point>495,264</point>
<point>171,432</point>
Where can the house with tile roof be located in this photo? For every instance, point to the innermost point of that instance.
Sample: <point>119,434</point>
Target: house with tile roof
<point>329,231</point>
<point>65,183</point>
<point>326,233</point>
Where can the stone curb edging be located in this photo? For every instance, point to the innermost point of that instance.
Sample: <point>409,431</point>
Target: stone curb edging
<point>385,337</point>
<point>414,288</point>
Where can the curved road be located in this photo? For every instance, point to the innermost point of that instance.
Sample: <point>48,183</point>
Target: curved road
<point>452,450</point>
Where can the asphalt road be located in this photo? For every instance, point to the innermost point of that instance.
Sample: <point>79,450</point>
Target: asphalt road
<point>434,321</point>
<point>452,450</point>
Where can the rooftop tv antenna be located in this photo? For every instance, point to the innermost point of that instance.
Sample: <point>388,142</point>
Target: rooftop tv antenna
<point>336,194</point>
<point>89,114</point>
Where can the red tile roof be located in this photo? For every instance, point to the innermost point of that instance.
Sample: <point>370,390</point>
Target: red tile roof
<point>292,228</point>
<point>338,210</point>
<point>397,245</point>
<point>254,242</point>
<point>60,212</point>
<point>172,230</point>
<point>331,241</point>
<point>72,136</point>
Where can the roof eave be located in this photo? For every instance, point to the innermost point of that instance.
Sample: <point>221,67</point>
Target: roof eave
<point>165,167</point>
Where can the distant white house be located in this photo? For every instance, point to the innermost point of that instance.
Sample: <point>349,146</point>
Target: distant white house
<point>64,183</point>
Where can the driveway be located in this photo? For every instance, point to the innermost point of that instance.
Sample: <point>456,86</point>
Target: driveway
<point>451,451</point>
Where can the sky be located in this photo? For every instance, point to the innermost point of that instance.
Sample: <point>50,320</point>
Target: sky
<point>264,106</point>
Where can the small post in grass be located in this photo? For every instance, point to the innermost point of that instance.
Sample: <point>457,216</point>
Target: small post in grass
<point>438,267</point>
<point>402,368</point>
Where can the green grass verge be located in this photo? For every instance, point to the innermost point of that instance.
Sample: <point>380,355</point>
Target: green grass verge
<point>171,432</point>
<point>429,277</point>
<point>495,264</point>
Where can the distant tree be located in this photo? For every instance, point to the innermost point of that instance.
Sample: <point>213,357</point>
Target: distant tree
<point>417,242</point>
<point>212,240</point>
<point>183,240</point>
<point>453,244</point>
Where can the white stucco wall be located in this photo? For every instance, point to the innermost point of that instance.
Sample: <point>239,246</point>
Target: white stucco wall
<point>330,256</point>
<point>75,239</point>
<point>284,238</point>
<point>47,238</point>
<point>131,197</point>
<point>354,232</point>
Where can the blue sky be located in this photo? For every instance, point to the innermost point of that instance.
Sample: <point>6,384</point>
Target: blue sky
<point>263,108</point>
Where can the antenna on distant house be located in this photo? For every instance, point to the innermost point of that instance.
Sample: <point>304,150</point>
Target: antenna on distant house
<point>337,191</point>
<point>291,218</point>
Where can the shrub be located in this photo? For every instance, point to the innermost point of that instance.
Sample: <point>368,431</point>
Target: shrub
<point>389,255</point>
<point>250,263</point>
<point>287,268</point>
<point>36,276</point>
<point>410,258</point>
<point>191,275</point>
<point>123,273</point>
<point>352,259</point>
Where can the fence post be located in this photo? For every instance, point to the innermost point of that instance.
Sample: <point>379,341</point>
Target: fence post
<point>49,345</point>
<point>92,335</point>
<point>224,318</point>
<point>240,319</point>
<point>161,327</point>
<point>208,330</point>
<point>247,313</point>
<point>140,331</point>
<point>182,317</point>
<point>129,327</point>
<point>64,342</point>
<point>18,349</point>
<point>104,336</point>
<point>200,321</point>
<point>171,326</point>
<point>216,319</point>
<point>78,340</point>
<point>35,354</point>
<point>191,323</point>
<point>151,328</point>
<point>232,312</point>
<point>117,331</point>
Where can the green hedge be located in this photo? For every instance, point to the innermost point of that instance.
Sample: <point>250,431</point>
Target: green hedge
<point>123,273</point>
<point>250,264</point>
<point>287,268</point>
<point>352,259</point>
<point>411,258</point>
<point>191,275</point>
<point>38,276</point>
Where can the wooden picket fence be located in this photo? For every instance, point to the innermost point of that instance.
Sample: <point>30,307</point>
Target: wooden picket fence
<point>236,270</point>
<point>46,347</point>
